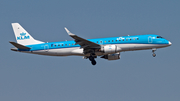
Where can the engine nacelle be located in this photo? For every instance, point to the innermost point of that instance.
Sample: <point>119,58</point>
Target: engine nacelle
<point>115,56</point>
<point>110,49</point>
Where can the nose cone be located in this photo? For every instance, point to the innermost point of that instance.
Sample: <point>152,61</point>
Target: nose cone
<point>170,43</point>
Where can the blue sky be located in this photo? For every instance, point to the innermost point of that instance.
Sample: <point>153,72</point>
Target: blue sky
<point>137,76</point>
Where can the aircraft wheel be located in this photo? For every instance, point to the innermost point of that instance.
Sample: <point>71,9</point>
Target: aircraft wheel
<point>93,62</point>
<point>154,55</point>
<point>91,58</point>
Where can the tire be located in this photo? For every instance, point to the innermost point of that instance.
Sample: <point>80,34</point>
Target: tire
<point>93,62</point>
<point>154,55</point>
<point>91,58</point>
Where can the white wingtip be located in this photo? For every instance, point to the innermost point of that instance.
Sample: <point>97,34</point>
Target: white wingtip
<point>68,31</point>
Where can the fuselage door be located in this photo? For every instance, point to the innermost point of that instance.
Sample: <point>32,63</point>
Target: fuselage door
<point>46,48</point>
<point>150,39</point>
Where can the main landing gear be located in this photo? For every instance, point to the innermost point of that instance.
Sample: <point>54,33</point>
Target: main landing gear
<point>153,50</point>
<point>91,58</point>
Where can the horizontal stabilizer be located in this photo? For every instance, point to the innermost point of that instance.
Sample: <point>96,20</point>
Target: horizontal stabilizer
<point>19,46</point>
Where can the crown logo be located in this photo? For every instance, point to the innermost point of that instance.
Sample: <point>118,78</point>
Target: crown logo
<point>22,34</point>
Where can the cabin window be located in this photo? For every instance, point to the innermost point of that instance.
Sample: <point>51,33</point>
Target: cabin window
<point>126,39</point>
<point>55,45</point>
<point>112,40</point>
<point>123,39</point>
<point>59,45</point>
<point>109,41</point>
<point>119,40</point>
<point>133,38</point>
<point>72,43</point>
<point>100,41</point>
<point>69,44</point>
<point>130,39</point>
<point>116,40</point>
<point>105,41</point>
<point>62,44</point>
<point>137,38</point>
<point>51,45</point>
<point>159,37</point>
<point>66,44</point>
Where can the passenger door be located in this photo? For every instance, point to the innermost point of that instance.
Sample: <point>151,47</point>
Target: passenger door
<point>46,48</point>
<point>150,39</point>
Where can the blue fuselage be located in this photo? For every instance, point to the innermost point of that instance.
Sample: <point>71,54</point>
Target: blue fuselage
<point>126,43</point>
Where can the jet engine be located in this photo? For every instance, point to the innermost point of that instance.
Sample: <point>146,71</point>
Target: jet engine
<point>110,49</point>
<point>115,56</point>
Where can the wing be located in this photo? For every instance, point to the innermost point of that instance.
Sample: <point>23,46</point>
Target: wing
<point>83,42</point>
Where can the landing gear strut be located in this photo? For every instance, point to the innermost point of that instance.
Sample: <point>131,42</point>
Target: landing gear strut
<point>91,58</point>
<point>153,50</point>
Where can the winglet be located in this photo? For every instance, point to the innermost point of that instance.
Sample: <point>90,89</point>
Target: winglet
<point>69,33</point>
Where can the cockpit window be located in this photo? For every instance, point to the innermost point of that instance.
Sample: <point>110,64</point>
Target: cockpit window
<point>159,37</point>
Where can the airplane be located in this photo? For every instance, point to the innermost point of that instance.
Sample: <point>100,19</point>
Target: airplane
<point>107,48</point>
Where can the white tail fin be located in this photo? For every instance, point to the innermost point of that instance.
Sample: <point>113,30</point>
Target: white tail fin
<point>22,36</point>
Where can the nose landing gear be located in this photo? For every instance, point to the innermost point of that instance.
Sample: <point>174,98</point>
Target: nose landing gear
<point>153,50</point>
<point>154,55</point>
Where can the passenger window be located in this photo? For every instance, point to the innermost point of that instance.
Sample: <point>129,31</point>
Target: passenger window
<point>137,38</point>
<point>123,39</point>
<point>119,40</point>
<point>69,44</point>
<point>66,44</point>
<point>59,45</point>
<point>126,39</point>
<point>112,40</point>
<point>108,41</point>
<point>130,39</point>
<point>133,38</point>
<point>116,40</point>
<point>51,45</point>
<point>55,45</point>
<point>105,41</point>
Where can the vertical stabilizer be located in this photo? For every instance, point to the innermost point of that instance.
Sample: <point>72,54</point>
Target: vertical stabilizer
<point>22,36</point>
